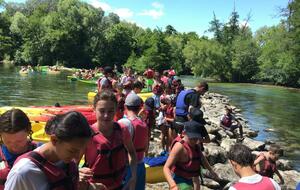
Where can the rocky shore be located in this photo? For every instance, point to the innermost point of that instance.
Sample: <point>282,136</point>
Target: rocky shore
<point>213,107</point>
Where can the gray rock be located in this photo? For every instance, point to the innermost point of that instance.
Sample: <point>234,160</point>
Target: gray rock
<point>225,172</point>
<point>225,134</point>
<point>212,137</point>
<point>227,143</point>
<point>253,144</point>
<point>157,186</point>
<point>215,154</point>
<point>291,179</point>
<point>283,164</point>
<point>209,183</point>
<point>250,133</point>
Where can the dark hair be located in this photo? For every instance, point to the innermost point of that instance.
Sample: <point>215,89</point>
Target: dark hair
<point>276,149</point>
<point>133,108</point>
<point>105,95</point>
<point>138,84</point>
<point>241,154</point>
<point>68,126</point>
<point>13,121</point>
<point>204,85</point>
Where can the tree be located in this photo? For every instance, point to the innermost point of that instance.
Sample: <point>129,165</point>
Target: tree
<point>277,61</point>
<point>244,59</point>
<point>120,42</point>
<point>216,28</point>
<point>206,58</point>
<point>170,30</point>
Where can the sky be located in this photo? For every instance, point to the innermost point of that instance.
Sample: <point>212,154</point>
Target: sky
<point>191,15</point>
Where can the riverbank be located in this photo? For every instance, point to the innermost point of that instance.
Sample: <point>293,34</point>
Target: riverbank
<point>213,107</point>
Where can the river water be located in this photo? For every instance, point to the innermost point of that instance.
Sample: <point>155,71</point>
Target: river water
<point>263,106</point>
<point>266,107</point>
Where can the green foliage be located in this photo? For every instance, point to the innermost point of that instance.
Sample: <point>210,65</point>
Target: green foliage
<point>75,34</point>
<point>206,58</point>
<point>244,59</point>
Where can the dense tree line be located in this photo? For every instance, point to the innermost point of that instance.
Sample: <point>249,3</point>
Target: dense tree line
<point>75,34</point>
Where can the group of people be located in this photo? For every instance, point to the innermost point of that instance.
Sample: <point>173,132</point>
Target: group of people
<point>113,149</point>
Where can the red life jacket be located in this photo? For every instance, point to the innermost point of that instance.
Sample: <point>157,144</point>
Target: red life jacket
<point>57,178</point>
<point>111,158</point>
<point>109,86</point>
<point>267,167</point>
<point>4,172</point>
<point>190,168</point>
<point>170,112</point>
<point>140,137</point>
<point>149,118</point>
<point>120,107</point>
<point>149,73</point>
<point>264,184</point>
<point>227,121</point>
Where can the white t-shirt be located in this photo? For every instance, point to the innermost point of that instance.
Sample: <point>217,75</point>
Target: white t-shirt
<point>126,122</point>
<point>255,179</point>
<point>26,175</point>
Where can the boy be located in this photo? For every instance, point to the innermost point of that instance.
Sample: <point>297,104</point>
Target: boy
<point>265,163</point>
<point>182,169</point>
<point>196,118</point>
<point>241,159</point>
<point>226,122</point>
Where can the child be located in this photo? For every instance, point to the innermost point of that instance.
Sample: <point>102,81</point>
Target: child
<point>184,162</point>
<point>121,101</point>
<point>265,163</point>
<point>139,135</point>
<point>161,123</point>
<point>54,164</point>
<point>196,118</point>
<point>241,159</point>
<point>15,130</point>
<point>106,156</point>
<point>148,114</point>
<point>226,122</point>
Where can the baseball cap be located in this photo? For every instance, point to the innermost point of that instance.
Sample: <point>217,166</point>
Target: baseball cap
<point>108,69</point>
<point>197,115</point>
<point>193,129</point>
<point>149,103</point>
<point>133,100</point>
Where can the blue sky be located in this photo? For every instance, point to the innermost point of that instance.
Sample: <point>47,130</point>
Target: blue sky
<point>191,15</point>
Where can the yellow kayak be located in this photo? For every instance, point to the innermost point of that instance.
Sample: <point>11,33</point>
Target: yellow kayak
<point>36,126</point>
<point>26,110</point>
<point>40,136</point>
<point>144,96</point>
<point>154,174</point>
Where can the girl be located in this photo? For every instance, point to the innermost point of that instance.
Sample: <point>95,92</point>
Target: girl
<point>15,131</point>
<point>106,155</point>
<point>182,169</point>
<point>53,165</point>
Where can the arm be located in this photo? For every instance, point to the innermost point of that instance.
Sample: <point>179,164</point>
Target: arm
<point>196,183</point>
<point>207,166</point>
<point>257,160</point>
<point>132,160</point>
<point>280,177</point>
<point>176,151</point>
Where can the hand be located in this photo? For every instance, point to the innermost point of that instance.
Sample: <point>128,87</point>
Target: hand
<point>97,186</point>
<point>214,175</point>
<point>174,187</point>
<point>281,182</point>
<point>85,174</point>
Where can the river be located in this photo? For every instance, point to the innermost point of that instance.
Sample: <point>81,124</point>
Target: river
<point>263,106</point>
